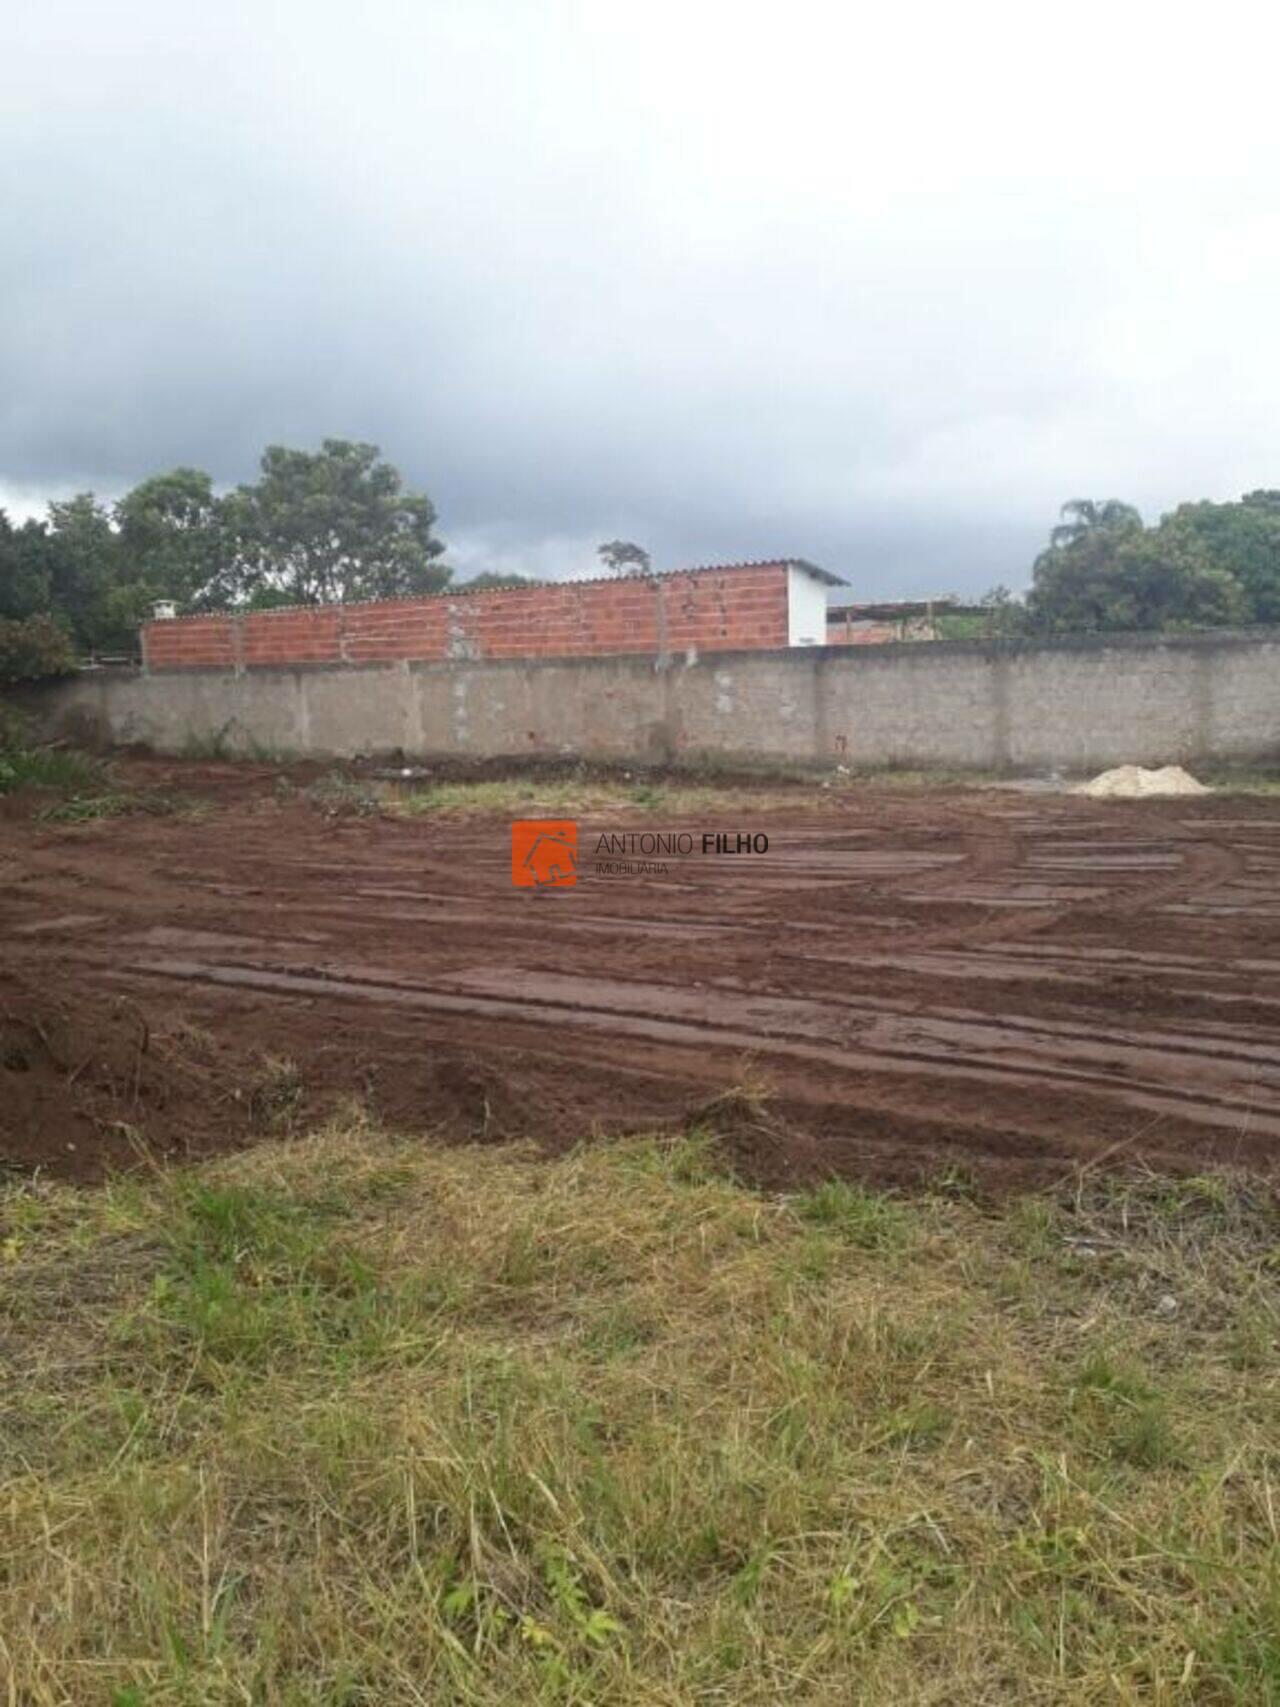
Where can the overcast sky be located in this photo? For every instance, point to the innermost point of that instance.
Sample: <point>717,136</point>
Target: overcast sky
<point>878,286</point>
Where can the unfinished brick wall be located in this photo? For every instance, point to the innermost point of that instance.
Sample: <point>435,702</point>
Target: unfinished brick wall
<point>705,610</point>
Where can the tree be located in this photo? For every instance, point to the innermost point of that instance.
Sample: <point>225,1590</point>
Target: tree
<point>1070,586</point>
<point>621,557</point>
<point>1241,539</point>
<point>171,537</point>
<point>86,585</point>
<point>1081,516</point>
<point>73,568</point>
<point>329,525</point>
<point>332,524</point>
<point>26,586</point>
<point>1127,578</point>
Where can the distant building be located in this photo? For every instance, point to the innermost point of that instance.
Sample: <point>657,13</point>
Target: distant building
<point>902,619</point>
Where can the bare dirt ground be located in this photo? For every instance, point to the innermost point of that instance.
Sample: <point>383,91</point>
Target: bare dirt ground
<point>981,983</point>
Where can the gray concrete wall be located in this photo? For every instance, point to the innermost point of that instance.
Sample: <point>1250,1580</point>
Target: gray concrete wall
<point>1078,704</point>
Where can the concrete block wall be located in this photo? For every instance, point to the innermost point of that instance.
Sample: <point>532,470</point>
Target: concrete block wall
<point>702,610</point>
<point>1077,705</point>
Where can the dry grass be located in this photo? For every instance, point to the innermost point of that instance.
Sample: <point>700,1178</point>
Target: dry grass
<point>534,796</point>
<point>354,1420</point>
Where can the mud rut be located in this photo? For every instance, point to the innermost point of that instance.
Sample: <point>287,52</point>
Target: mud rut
<point>992,982</point>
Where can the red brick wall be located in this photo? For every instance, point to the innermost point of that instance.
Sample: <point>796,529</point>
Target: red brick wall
<point>710,609</point>
<point>189,641</point>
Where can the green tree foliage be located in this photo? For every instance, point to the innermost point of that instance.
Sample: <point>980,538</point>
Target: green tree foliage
<point>1136,579</point>
<point>1204,565</point>
<point>334,524</point>
<point>26,581</point>
<point>79,567</point>
<point>100,605</point>
<point>171,536</point>
<point>1243,540</point>
<point>32,647</point>
<point>106,566</point>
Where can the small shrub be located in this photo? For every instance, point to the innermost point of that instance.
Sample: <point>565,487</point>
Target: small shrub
<point>23,764</point>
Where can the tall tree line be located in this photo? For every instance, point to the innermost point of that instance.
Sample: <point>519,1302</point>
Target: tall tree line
<point>1203,565</point>
<point>316,526</point>
<point>339,524</point>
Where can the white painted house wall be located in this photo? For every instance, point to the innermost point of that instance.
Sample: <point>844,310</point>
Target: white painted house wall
<point>806,608</point>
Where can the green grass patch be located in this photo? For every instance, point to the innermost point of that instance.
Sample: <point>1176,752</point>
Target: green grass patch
<point>84,785</point>
<point>355,1420</point>
<point>866,1218</point>
<point>59,768</point>
<point>1240,779</point>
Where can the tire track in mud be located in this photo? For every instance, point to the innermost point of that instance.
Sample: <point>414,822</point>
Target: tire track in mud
<point>1142,1071</point>
<point>913,976</point>
<point>1202,865</point>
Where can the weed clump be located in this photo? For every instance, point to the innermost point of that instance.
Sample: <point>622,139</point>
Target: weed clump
<point>338,795</point>
<point>90,808</point>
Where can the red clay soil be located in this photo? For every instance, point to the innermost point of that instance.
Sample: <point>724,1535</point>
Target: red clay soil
<point>992,985</point>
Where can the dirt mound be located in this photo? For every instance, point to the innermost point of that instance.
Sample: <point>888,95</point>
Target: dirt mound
<point>90,1083</point>
<point>1132,782</point>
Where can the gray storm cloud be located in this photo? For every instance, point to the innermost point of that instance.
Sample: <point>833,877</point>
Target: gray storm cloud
<point>729,280</point>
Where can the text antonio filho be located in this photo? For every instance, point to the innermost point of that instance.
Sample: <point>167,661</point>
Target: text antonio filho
<point>651,842</point>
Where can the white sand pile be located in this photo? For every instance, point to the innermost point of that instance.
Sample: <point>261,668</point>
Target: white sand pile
<point>1131,782</point>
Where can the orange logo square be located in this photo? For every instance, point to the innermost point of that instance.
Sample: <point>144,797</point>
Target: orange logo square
<point>544,853</point>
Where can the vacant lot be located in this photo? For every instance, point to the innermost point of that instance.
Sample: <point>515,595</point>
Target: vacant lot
<point>354,1416</point>
<point>926,982</point>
